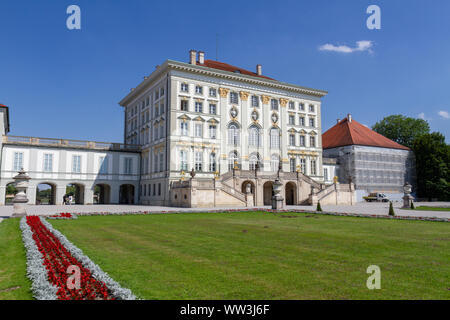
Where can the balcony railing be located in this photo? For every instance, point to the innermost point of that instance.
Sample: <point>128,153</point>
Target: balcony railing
<point>67,143</point>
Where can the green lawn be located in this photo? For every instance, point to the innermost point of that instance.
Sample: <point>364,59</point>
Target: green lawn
<point>264,255</point>
<point>14,285</point>
<point>425,208</point>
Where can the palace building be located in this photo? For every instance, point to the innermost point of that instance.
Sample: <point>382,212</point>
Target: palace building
<point>203,133</point>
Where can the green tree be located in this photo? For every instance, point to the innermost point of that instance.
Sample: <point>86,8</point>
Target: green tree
<point>432,166</point>
<point>11,189</point>
<point>401,129</point>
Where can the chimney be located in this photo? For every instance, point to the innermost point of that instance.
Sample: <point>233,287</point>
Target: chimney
<point>349,117</point>
<point>258,69</point>
<point>193,57</point>
<point>201,57</point>
<point>337,120</point>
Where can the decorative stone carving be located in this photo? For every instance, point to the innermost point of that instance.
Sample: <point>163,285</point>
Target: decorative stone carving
<point>233,112</point>
<point>277,199</point>
<point>244,95</point>
<point>20,199</point>
<point>255,115</point>
<point>223,92</point>
<point>265,99</point>
<point>283,102</point>
<point>274,118</point>
<point>407,198</point>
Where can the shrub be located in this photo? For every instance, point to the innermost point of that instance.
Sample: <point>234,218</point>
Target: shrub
<point>319,208</point>
<point>391,209</point>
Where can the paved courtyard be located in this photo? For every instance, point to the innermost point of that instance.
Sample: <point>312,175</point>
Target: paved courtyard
<point>360,208</point>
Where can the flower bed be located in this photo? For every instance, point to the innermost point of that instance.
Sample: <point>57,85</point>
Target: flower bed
<point>63,215</point>
<point>49,254</point>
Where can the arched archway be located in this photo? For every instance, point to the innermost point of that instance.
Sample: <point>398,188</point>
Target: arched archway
<point>45,193</point>
<point>126,194</point>
<point>76,191</point>
<point>244,187</point>
<point>102,193</point>
<point>10,193</point>
<point>268,193</point>
<point>290,193</point>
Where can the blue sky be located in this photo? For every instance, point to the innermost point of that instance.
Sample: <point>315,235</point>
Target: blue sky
<point>67,83</point>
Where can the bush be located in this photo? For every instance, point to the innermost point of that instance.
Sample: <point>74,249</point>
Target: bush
<point>391,209</point>
<point>412,205</point>
<point>319,208</point>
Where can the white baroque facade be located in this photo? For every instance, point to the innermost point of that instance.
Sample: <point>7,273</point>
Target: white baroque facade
<point>195,116</point>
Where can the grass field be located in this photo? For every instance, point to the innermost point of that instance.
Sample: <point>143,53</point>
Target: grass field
<point>425,208</point>
<point>264,255</point>
<point>14,285</point>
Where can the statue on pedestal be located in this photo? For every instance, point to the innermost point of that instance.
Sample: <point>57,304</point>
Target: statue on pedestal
<point>407,198</point>
<point>277,199</point>
<point>20,199</point>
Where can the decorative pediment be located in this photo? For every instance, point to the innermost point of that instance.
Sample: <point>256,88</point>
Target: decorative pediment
<point>213,121</point>
<point>292,130</point>
<point>198,118</point>
<point>312,133</point>
<point>302,131</point>
<point>184,117</point>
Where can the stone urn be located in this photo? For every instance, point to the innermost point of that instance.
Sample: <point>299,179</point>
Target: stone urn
<point>407,198</point>
<point>20,199</point>
<point>277,199</point>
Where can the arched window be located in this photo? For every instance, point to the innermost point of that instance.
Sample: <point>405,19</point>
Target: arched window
<point>254,159</point>
<point>254,138</point>
<point>233,159</point>
<point>274,138</point>
<point>233,134</point>
<point>274,162</point>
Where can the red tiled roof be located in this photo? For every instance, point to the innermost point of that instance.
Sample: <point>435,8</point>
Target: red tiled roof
<point>228,67</point>
<point>2,105</point>
<point>346,133</point>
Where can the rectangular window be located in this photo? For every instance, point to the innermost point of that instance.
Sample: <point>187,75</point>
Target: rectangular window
<point>301,106</point>
<point>303,166</point>
<point>184,105</point>
<point>103,165</point>
<point>184,87</point>
<point>48,162</point>
<point>212,131</point>
<point>154,189</point>
<point>302,121</point>
<point>291,105</point>
<point>312,141</point>
<point>198,161</point>
<point>199,89</point>
<point>128,163</point>
<point>76,164</point>
<point>159,189</point>
<point>161,162</point>
<point>212,92</point>
<point>325,174</point>
<point>18,161</point>
<point>313,167</point>
<point>274,104</point>
<point>234,98</point>
<point>302,141</point>
<point>212,108</point>
<point>198,107</point>
<point>183,128</point>
<point>198,130</point>
<point>292,139</point>
<point>311,122</point>
<point>255,101</point>
<point>292,164</point>
<point>291,119</point>
<point>183,160</point>
<point>311,108</point>
<point>161,130</point>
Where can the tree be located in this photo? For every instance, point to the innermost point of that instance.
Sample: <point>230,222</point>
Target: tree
<point>11,189</point>
<point>391,209</point>
<point>401,129</point>
<point>432,166</point>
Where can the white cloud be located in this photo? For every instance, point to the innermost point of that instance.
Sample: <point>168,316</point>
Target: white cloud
<point>363,45</point>
<point>444,114</point>
<point>423,116</point>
